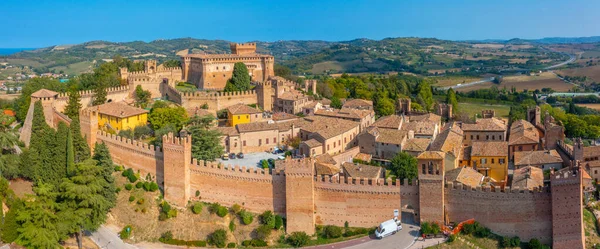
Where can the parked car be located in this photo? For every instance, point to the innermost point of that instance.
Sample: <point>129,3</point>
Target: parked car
<point>225,157</point>
<point>387,228</point>
<point>232,155</point>
<point>240,155</point>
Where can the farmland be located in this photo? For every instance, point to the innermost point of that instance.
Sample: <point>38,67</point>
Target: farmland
<point>592,72</point>
<point>475,108</point>
<point>454,80</point>
<point>595,106</point>
<point>554,83</point>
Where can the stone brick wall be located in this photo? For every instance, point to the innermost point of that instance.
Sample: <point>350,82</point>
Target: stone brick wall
<point>360,202</point>
<point>215,100</point>
<point>567,213</point>
<point>513,212</point>
<point>300,195</point>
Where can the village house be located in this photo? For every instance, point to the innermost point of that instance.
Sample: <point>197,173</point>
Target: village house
<point>327,135</point>
<point>390,122</point>
<point>382,143</point>
<point>120,116</point>
<point>359,104</point>
<point>365,117</point>
<point>529,178</point>
<point>466,176</point>
<point>325,165</point>
<point>543,159</point>
<point>242,114</point>
<point>260,136</point>
<point>449,142</point>
<point>362,171</point>
<point>523,136</point>
<point>484,129</point>
<point>491,159</point>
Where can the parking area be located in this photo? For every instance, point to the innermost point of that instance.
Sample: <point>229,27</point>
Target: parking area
<point>251,159</point>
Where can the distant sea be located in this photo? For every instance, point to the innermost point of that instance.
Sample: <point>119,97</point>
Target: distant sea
<point>9,51</point>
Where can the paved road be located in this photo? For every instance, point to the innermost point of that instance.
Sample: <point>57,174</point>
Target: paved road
<point>572,58</point>
<point>106,238</point>
<point>401,240</point>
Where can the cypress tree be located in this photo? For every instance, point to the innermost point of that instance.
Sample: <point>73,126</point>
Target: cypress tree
<point>70,155</point>
<point>99,95</point>
<point>104,161</point>
<point>73,105</point>
<point>42,138</point>
<point>451,100</point>
<point>240,78</point>
<point>80,146</point>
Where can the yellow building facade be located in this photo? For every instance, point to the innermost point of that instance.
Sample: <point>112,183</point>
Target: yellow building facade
<point>242,114</point>
<point>490,159</point>
<point>120,116</point>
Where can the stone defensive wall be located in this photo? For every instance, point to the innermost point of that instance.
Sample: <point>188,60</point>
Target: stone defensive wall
<point>508,212</point>
<point>114,94</point>
<point>215,100</point>
<point>361,202</point>
<point>255,189</point>
<point>134,154</point>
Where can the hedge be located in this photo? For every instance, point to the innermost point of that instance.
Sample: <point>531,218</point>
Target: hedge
<point>254,243</point>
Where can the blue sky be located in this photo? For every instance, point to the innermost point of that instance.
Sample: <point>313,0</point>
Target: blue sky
<point>40,23</point>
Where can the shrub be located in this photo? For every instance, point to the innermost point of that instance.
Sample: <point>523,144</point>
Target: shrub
<point>267,218</point>
<point>132,178</point>
<point>452,238</point>
<point>515,241</point>
<point>278,222</point>
<point>140,201</point>
<point>197,208</point>
<point>118,168</point>
<point>298,239</point>
<point>254,243</point>
<point>139,185</point>
<point>166,211</point>
<point>131,198</point>
<point>153,187</point>
<point>482,232</point>
<point>470,228</point>
<point>231,226</point>
<point>117,190</point>
<point>346,225</point>
<point>505,241</point>
<point>128,186</point>
<point>197,193</point>
<point>214,207</point>
<point>430,228</point>
<point>162,216</point>
<point>126,232</point>
<point>146,186</point>
<point>534,244</point>
<point>144,210</point>
<point>236,208</point>
<point>331,232</point>
<point>263,232</point>
<point>219,238</point>
<point>168,235</point>
<point>247,217</point>
<point>231,245</point>
<point>222,211</point>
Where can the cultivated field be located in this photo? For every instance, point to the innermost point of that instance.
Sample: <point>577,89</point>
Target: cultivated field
<point>592,72</point>
<point>522,78</point>
<point>556,84</point>
<point>591,106</point>
<point>474,108</point>
<point>452,81</point>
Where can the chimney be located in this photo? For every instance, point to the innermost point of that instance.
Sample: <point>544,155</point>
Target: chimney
<point>411,134</point>
<point>359,168</point>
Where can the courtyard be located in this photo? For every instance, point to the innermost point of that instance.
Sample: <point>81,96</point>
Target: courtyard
<point>251,159</point>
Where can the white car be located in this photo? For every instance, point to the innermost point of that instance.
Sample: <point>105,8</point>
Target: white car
<point>387,228</point>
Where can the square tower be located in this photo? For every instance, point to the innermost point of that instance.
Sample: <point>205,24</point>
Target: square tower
<point>243,48</point>
<point>299,195</point>
<point>431,186</point>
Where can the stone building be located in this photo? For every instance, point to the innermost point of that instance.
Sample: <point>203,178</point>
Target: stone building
<point>364,117</point>
<point>491,159</point>
<point>528,178</point>
<point>327,135</point>
<point>359,104</point>
<point>260,136</point>
<point>523,137</point>
<point>484,129</point>
<point>211,71</point>
<point>242,114</point>
<point>543,159</point>
<point>119,116</point>
<point>153,78</point>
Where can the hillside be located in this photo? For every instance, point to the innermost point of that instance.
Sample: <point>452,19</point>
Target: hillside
<point>416,55</point>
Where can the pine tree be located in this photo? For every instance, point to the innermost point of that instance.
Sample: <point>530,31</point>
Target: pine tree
<point>451,100</point>
<point>80,146</point>
<point>42,143</point>
<point>9,229</point>
<point>82,197</point>
<point>240,78</point>
<point>73,105</point>
<point>104,161</point>
<point>70,155</point>
<point>39,220</point>
<point>99,95</point>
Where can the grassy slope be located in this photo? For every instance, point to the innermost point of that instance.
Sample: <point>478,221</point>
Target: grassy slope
<point>475,108</point>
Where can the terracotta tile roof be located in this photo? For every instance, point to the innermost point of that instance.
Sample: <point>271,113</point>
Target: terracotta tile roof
<point>429,116</point>
<point>528,178</point>
<point>465,175</point>
<point>523,132</point>
<point>524,158</point>
<point>388,136</point>
<point>490,148</point>
<point>361,170</point>
<point>312,143</point>
<point>363,157</point>
<point>326,165</point>
<point>44,93</point>
<point>591,164</point>
<point>324,101</point>
<point>417,144</point>
<point>265,126</point>
<point>118,109</point>
<point>485,124</point>
<point>228,131</point>
<point>591,151</point>
<point>389,122</point>
<point>242,109</point>
<point>432,155</point>
<point>423,127</point>
<point>358,103</point>
<point>280,116</point>
<point>449,140</point>
<point>345,113</point>
<point>328,127</point>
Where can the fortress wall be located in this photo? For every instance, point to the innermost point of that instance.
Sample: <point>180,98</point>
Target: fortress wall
<point>134,154</point>
<point>409,194</point>
<point>254,189</point>
<point>514,212</point>
<point>216,100</point>
<point>114,94</point>
<point>361,202</point>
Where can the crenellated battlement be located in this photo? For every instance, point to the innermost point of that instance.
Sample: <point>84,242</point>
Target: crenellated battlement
<point>487,189</point>
<point>228,171</point>
<point>379,184</point>
<point>565,148</point>
<point>170,139</point>
<point>127,142</point>
<point>162,69</point>
<point>90,93</point>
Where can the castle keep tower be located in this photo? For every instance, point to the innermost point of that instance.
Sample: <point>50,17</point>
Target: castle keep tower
<point>431,186</point>
<point>177,156</point>
<point>299,195</point>
<point>243,48</point>
<point>567,208</point>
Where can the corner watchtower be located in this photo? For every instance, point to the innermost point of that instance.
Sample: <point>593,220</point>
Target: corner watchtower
<point>431,186</point>
<point>567,208</point>
<point>299,195</point>
<point>177,154</point>
<point>243,48</point>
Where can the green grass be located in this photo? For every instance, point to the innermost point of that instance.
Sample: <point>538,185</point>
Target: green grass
<point>186,87</point>
<point>75,68</point>
<point>591,231</point>
<point>475,108</point>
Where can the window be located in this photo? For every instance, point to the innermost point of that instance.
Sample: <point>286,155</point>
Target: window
<point>471,137</point>
<point>477,137</point>
<point>259,142</point>
<point>244,143</point>
<point>492,160</point>
<point>328,147</point>
<point>274,140</point>
<point>493,137</point>
<point>500,137</point>
<point>226,142</point>
<point>235,145</point>
<point>423,168</point>
<point>267,141</point>
<point>483,161</point>
<point>501,160</point>
<point>247,116</point>
<point>238,117</point>
<point>520,148</point>
<point>465,137</point>
<point>334,145</point>
<point>487,137</point>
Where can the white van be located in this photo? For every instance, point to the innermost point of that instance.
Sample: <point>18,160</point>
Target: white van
<point>388,227</point>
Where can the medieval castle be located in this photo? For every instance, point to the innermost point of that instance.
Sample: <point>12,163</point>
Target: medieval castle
<point>296,190</point>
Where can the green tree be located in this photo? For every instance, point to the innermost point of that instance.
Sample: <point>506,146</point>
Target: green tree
<point>142,97</point>
<point>8,138</point>
<point>99,95</point>
<point>70,154</point>
<point>83,199</point>
<point>219,238</point>
<point>206,143</point>
<point>161,117</point>
<point>80,146</point>
<point>298,239</point>
<point>336,102</point>
<point>38,219</point>
<point>31,86</point>
<point>172,63</point>
<point>105,162</point>
<point>240,78</point>
<point>9,230</point>
<point>385,107</point>
<point>451,99</point>
<point>425,96</point>
<point>73,104</point>
<point>404,166</point>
